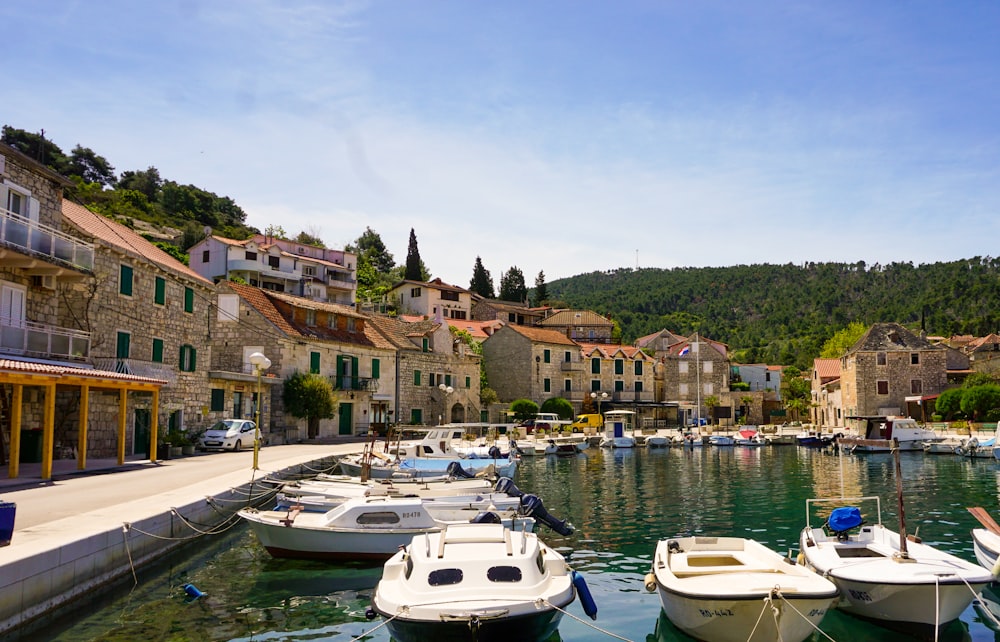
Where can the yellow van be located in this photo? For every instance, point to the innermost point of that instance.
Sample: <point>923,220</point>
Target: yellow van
<point>588,424</point>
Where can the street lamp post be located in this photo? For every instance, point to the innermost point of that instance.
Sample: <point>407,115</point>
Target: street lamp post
<point>259,363</point>
<point>600,399</point>
<point>447,390</point>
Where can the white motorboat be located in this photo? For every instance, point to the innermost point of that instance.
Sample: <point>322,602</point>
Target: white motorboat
<point>750,437</point>
<point>360,528</point>
<point>986,544</point>
<point>476,582</point>
<point>879,432</point>
<point>657,440</point>
<point>976,449</point>
<point>618,429</point>
<point>721,440</point>
<point>942,446</point>
<point>897,581</point>
<point>731,589</point>
<point>381,468</point>
<point>322,503</point>
<point>331,491</point>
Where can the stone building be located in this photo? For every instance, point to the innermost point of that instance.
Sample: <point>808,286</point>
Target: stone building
<point>432,300</point>
<point>584,326</point>
<point>694,370</point>
<point>885,366</point>
<point>658,342</point>
<point>47,378</point>
<point>298,334</point>
<point>827,402</point>
<point>148,315</point>
<point>509,312</point>
<point>437,374</point>
<point>624,372</point>
<point>523,362</point>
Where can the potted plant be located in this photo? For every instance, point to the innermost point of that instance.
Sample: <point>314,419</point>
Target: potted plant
<point>176,440</point>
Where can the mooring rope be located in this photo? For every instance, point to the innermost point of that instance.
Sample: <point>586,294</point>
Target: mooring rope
<point>800,614</point>
<point>542,600</point>
<point>383,623</point>
<point>128,551</point>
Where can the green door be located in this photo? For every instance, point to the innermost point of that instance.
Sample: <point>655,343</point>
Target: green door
<point>140,437</point>
<point>345,413</point>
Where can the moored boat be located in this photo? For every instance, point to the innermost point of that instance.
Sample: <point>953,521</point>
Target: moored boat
<point>731,589</point>
<point>721,440</point>
<point>879,432</point>
<point>475,581</point>
<point>618,429</point>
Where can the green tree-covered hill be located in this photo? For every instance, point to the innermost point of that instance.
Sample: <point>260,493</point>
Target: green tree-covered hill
<point>783,314</point>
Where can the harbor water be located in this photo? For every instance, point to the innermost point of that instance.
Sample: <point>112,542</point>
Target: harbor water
<point>621,502</point>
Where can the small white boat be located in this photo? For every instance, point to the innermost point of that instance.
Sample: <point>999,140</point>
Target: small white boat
<point>381,468</point>
<point>881,576</point>
<point>986,544</point>
<point>941,446</point>
<point>618,429</point>
<point>360,528</point>
<point>693,440</point>
<point>879,432</point>
<point>976,449</point>
<point>721,440</point>
<point>479,582</point>
<point>749,437</point>
<point>731,589</point>
<point>657,441</point>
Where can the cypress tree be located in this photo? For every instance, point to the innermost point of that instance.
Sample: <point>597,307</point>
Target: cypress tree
<point>413,262</point>
<point>482,282</point>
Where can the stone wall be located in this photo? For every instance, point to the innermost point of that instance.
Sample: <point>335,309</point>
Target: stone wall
<point>864,373</point>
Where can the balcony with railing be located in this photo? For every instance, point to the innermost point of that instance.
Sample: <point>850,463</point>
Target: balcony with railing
<point>138,368</point>
<point>571,366</point>
<point>341,280</point>
<point>354,384</point>
<point>35,239</point>
<point>26,338</point>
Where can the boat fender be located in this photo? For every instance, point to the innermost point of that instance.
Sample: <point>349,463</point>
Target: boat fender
<point>192,591</point>
<point>455,470</point>
<point>533,507</point>
<point>506,485</point>
<point>801,559</point>
<point>650,582</point>
<point>586,599</point>
<point>370,613</point>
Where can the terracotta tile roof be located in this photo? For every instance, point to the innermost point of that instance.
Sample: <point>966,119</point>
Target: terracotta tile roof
<point>399,332</point>
<point>309,304</point>
<point>981,344</point>
<point>53,370</point>
<point>642,342</point>
<point>543,335</point>
<point>610,351</point>
<point>478,329</point>
<point>232,242</point>
<point>256,298</point>
<point>576,318</point>
<point>827,368</point>
<point>106,231</point>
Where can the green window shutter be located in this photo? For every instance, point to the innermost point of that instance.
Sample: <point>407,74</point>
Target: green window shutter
<point>341,371</point>
<point>468,382</point>
<point>619,366</point>
<point>160,291</point>
<point>354,374</point>
<point>123,348</point>
<point>638,386</point>
<point>416,377</point>
<point>595,365</point>
<point>638,368</point>
<point>416,416</point>
<point>425,344</point>
<point>157,351</point>
<point>547,356</point>
<point>595,385</point>
<point>188,300</point>
<point>314,362</point>
<point>218,400</point>
<point>188,361</point>
<point>376,368</point>
<point>619,386</point>
<point>447,380</point>
<point>125,280</point>
<point>547,385</point>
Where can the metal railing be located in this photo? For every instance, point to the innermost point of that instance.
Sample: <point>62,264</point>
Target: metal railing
<point>35,238</point>
<point>30,338</point>
<point>148,369</point>
<point>354,383</point>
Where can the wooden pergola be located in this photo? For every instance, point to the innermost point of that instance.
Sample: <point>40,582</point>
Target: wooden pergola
<point>19,374</point>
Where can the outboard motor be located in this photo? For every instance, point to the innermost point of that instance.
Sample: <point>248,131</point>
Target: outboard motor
<point>495,452</point>
<point>507,485</point>
<point>533,507</point>
<point>455,470</point>
<point>486,517</point>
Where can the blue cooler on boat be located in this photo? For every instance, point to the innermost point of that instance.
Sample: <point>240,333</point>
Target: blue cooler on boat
<point>6,522</point>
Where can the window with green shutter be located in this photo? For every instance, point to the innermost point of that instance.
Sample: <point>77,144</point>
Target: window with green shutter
<point>123,346</point>
<point>547,385</point>
<point>595,365</point>
<point>425,344</point>
<point>619,366</point>
<point>416,416</point>
<point>547,356</point>
<point>157,355</point>
<point>638,368</point>
<point>188,358</point>
<point>447,380</point>
<point>218,400</point>
<point>314,362</point>
<point>376,368</point>
<point>160,291</point>
<point>468,382</point>
<point>188,300</point>
<point>619,386</point>
<point>416,377</point>
<point>125,280</point>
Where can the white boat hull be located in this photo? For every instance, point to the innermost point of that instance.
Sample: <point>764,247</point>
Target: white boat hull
<point>618,442</point>
<point>987,548</point>
<point>729,589</point>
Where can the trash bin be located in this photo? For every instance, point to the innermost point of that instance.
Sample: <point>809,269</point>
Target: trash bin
<point>31,446</point>
<point>6,522</point>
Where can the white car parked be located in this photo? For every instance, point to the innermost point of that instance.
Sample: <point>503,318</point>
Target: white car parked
<point>228,434</point>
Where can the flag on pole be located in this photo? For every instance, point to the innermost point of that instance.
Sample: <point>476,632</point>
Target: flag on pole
<point>685,350</point>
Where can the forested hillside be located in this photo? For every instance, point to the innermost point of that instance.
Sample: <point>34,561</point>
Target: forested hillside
<point>782,314</point>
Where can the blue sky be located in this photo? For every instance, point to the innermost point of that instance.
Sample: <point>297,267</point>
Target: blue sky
<point>563,137</point>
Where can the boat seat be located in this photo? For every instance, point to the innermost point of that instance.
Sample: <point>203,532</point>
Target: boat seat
<point>713,563</point>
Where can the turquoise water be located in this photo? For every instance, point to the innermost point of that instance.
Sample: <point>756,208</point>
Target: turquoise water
<point>621,503</point>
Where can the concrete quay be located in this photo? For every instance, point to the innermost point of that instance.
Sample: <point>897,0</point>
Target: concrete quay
<point>85,529</point>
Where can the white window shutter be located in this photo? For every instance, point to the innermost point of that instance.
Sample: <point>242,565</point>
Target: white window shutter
<point>3,197</point>
<point>33,209</point>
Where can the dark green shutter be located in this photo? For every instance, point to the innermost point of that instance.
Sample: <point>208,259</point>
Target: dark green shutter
<point>218,400</point>
<point>157,350</point>
<point>188,300</point>
<point>125,280</point>
<point>314,362</point>
<point>160,291</point>
<point>595,366</point>
<point>416,416</point>
<point>547,358</point>
<point>638,367</point>
<point>124,341</point>
<point>416,377</point>
<point>376,368</point>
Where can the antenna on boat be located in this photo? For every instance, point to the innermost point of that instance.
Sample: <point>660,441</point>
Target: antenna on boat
<point>903,553</point>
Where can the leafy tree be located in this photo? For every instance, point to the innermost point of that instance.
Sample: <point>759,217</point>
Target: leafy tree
<point>979,400</point>
<point>711,402</point>
<point>37,147</point>
<point>370,247</point>
<point>309,396</point>
<point>482,282</point>
<point>415,270</point>
<point>275,232</point>
<point>309,238</point>
<point>843,340</point>
<point>92,168</point>
<point>976,379</point>
<point>558,405</point>
<point>523,409</point>
<point>512,286</point>
<point>173,251</point>
<point>541,290</point>
<point>949,403</point>
<point>147,182</point>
